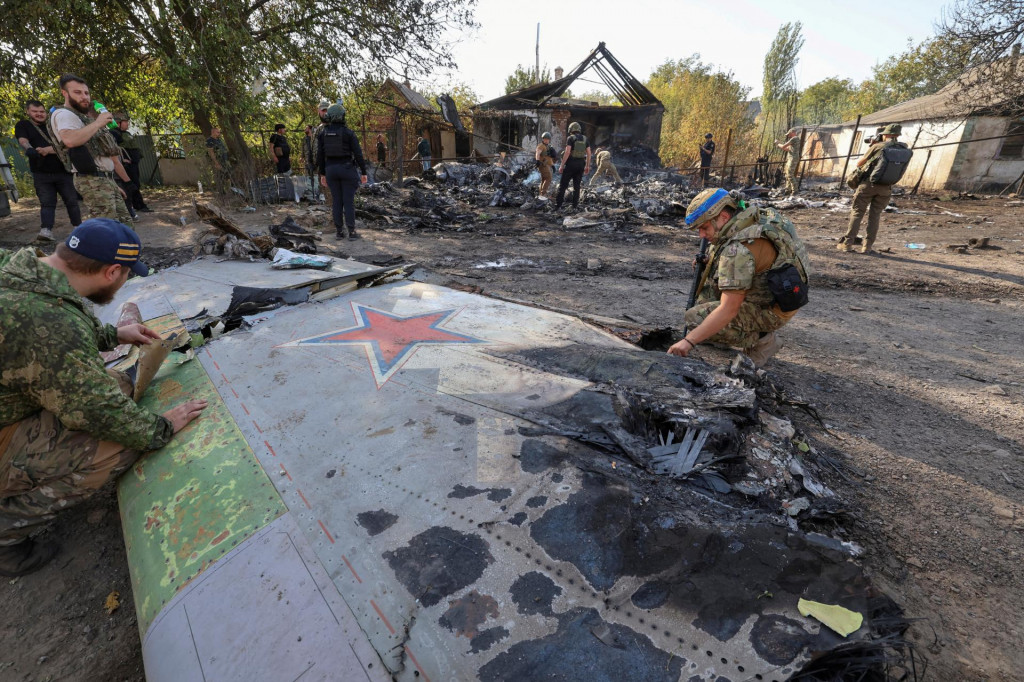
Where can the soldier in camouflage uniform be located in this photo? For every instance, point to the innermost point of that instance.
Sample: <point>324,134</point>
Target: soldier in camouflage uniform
<point>793,150</point>
<point>66,425</point>
<point>90,152</point>
<point>736,306</point>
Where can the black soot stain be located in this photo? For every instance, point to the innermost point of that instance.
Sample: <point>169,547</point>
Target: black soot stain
<point>518,519</point>
<point>487,638</point>
<point>459,418</point>
<point>330,474</point>
<point>592,531</point>
<point>651,595</point>
<point>536,456</point>
<point>538,501</point>
<point>439,562</point>
<point>376,522</point>
<point>499,494</point>
<point>461,492</point>
<point>466,614</point>
<point>572,652</point>
<point>534,593</point>
<point>778,639</point>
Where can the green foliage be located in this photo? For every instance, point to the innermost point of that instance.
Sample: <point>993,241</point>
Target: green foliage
<point>203,58</point>
<point>780,95</point>
<point>523,77</point>
<point>699,99</point>
<point>826,101</point>
<point>601,97</point>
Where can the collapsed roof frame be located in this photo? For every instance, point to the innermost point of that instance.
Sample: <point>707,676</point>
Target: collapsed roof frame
<point>616,77</point>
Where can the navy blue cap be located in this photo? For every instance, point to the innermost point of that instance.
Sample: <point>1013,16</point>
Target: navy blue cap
<point>108,241</point>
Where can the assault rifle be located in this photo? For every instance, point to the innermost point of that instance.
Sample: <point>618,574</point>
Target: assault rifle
<point>699,263</point>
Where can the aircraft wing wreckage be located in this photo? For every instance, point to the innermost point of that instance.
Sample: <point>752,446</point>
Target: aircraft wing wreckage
<point>411,482</point>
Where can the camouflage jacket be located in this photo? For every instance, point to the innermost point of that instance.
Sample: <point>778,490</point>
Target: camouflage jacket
<point>51,361</point>
<point>731,264</point>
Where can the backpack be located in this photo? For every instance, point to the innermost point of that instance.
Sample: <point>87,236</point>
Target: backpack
<point>579,147</point>
<point>891,164</point>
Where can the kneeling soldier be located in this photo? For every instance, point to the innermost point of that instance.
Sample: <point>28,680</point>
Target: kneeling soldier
<point>755,280</point>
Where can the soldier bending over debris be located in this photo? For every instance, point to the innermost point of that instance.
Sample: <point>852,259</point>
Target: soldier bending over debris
<point>755,280</point>
<point>67,426</point>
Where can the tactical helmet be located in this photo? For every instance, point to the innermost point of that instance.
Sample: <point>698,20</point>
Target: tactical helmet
<point>708,204</point>
<point>324,104</point>
<point>893,129</point>
<point>575,127</point>
<point>336,113</point>
<point>545,136</point>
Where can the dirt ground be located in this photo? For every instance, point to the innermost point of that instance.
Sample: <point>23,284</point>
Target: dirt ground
<point>912,357</point>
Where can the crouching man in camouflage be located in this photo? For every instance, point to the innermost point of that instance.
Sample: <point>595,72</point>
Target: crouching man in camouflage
<point>755,279</point>
<point>67,426</point>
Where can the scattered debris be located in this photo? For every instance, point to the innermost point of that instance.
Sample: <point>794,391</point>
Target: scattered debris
<point>286,260</point>
<point>113,602</point>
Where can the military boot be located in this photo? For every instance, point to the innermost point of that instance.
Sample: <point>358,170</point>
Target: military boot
<point>843,246</point>
<point>764,349</point>
<point>866,247</point>
<point>352,234</point>
<point>28,556</point>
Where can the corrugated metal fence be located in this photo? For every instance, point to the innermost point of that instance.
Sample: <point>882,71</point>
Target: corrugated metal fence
<point>149,168</point>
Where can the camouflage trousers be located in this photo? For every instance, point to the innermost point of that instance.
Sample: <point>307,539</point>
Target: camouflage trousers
<point>606,168</point>
<point>46,468</point>
<point>872,199</point>
<point>102,198</point>
<point>744,330</point>
<point>791,179</point>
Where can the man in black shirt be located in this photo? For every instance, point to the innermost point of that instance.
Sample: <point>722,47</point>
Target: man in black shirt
<point>707,150</point>
<point>48,173</point>
<point>280,151</point>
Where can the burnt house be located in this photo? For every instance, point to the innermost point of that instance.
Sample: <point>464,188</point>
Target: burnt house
<point>402,115</point>
<point>514,122</point>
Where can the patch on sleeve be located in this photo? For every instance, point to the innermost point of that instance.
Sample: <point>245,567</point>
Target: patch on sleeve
<point>736,267</point>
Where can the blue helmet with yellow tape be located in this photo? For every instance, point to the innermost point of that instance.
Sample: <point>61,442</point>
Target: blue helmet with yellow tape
<point>708,204</point>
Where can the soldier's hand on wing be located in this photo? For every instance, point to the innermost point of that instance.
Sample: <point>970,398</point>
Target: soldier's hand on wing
<point>681,348</point>
<point>136,334</point>
<point>182,415</point>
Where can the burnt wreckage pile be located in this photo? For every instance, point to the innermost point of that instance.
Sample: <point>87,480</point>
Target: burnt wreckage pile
<point>744,529</point>
<point>460,196</point>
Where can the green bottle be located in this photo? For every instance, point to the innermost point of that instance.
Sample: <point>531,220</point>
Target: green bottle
<point>98,106</point>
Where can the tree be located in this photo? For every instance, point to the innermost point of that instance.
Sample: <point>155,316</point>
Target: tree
<point>826,101</point>
<point>983,40</point>
<point>605,99</point>
<point>522,77</point>
<point>780,95</point>
<point>699,99</point>
<point>211,53</point>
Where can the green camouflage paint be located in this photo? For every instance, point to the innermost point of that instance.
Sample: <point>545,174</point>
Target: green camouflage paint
<point>187,504</point>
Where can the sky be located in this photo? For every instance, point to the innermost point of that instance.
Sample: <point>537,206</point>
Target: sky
<point>841,38</point>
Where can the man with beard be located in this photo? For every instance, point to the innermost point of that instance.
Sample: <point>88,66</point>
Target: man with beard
<point>48,174</point>
<point>88,150</point>
<point>67,426</point>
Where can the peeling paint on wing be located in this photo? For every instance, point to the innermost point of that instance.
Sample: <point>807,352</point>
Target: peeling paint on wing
<point>518,519</point>
<point>376,522</point>
<point>534,593</point>
<point>466,614</point>
<point>572,652</point>
<point>439,562</point>
<point>461,492</point>
<point>538,501</point>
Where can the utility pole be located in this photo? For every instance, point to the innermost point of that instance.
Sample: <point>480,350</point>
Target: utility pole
<point>536,73</point>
